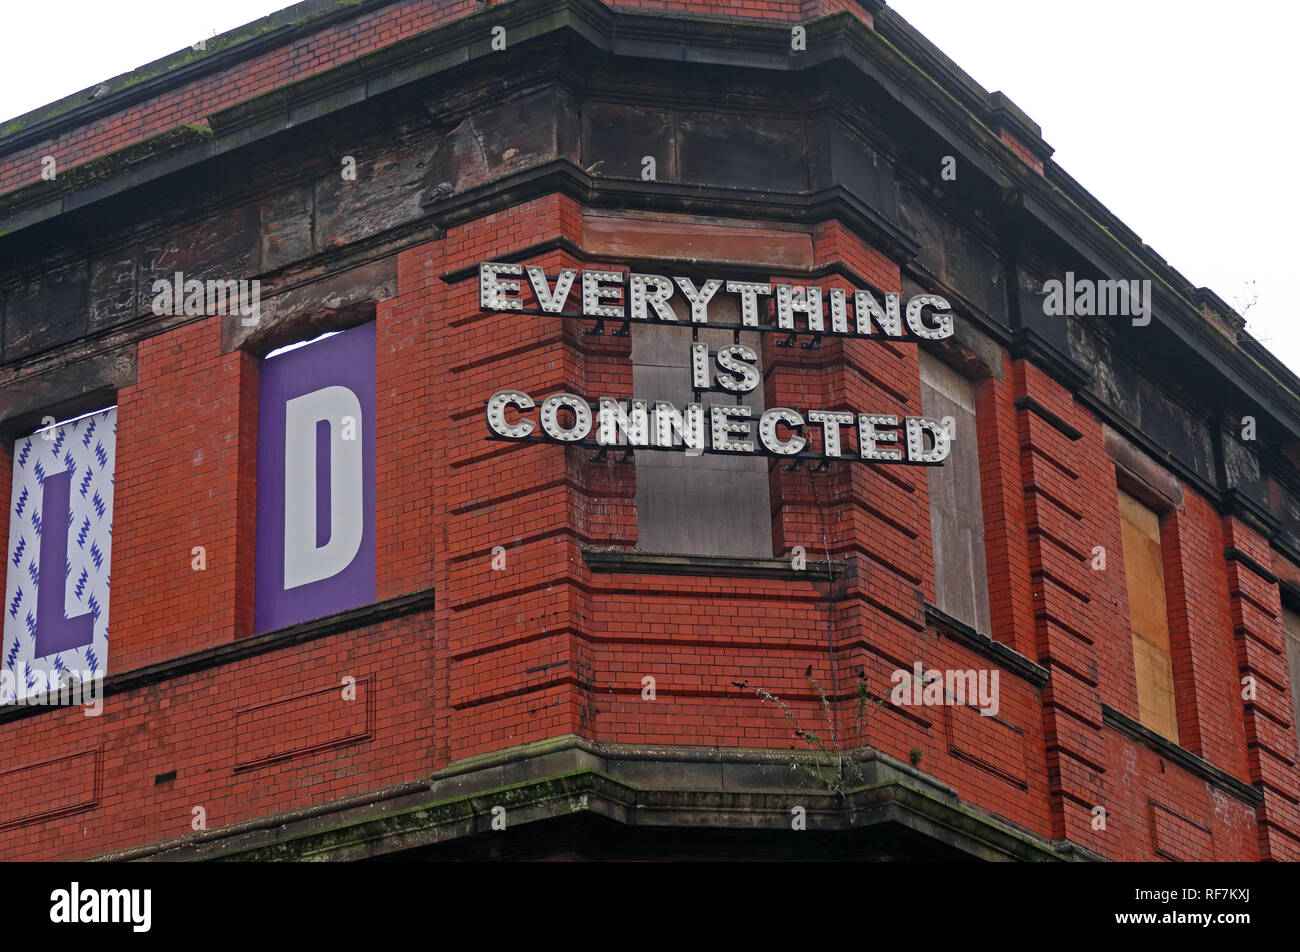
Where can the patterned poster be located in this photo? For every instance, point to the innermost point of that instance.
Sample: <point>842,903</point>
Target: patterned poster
<point>60,540</point>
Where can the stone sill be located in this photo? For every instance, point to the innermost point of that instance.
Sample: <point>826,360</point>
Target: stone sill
<point>1181,756</point>
<point>630,561</point>
<point>1005,655</point>
<point>249,646</point>
<point>664,787</point>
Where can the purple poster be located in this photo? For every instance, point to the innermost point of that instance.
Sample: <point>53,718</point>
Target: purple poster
<point>316,480</point>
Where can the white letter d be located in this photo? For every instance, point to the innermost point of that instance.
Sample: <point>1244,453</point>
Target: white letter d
<point>303,561</point>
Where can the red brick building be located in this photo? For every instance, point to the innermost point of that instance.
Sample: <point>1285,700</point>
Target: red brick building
<point>553,651</point>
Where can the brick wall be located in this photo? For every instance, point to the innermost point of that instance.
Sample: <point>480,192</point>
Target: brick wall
<point>548,647</point>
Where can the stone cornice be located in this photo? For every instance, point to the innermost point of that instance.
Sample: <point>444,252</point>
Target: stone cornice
<point>655,563</point>
<point>634,786</point>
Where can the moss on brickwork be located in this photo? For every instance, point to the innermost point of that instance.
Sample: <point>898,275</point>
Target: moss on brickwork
<point>104,166</point>
<point>600,791</point>
<point>49,112</point>
<point>167,64</point>
<point>566,793</point>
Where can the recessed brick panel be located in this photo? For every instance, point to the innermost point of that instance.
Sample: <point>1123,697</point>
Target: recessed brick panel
<point>1176,837</point>
<point>302,724</point>
<point>49,789</point>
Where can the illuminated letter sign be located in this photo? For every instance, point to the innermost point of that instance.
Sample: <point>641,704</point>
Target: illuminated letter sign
<point>60,541</point>
<point>316,480</point>
<point>790,311</point>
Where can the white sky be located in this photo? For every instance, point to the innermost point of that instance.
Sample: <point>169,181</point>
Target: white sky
<point>1179,115</point>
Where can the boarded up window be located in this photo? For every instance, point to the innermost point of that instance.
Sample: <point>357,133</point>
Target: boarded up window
<point>1292,622</point>
<point>707,504</point>
<point>1144,573</point>
<point>956,510</point>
